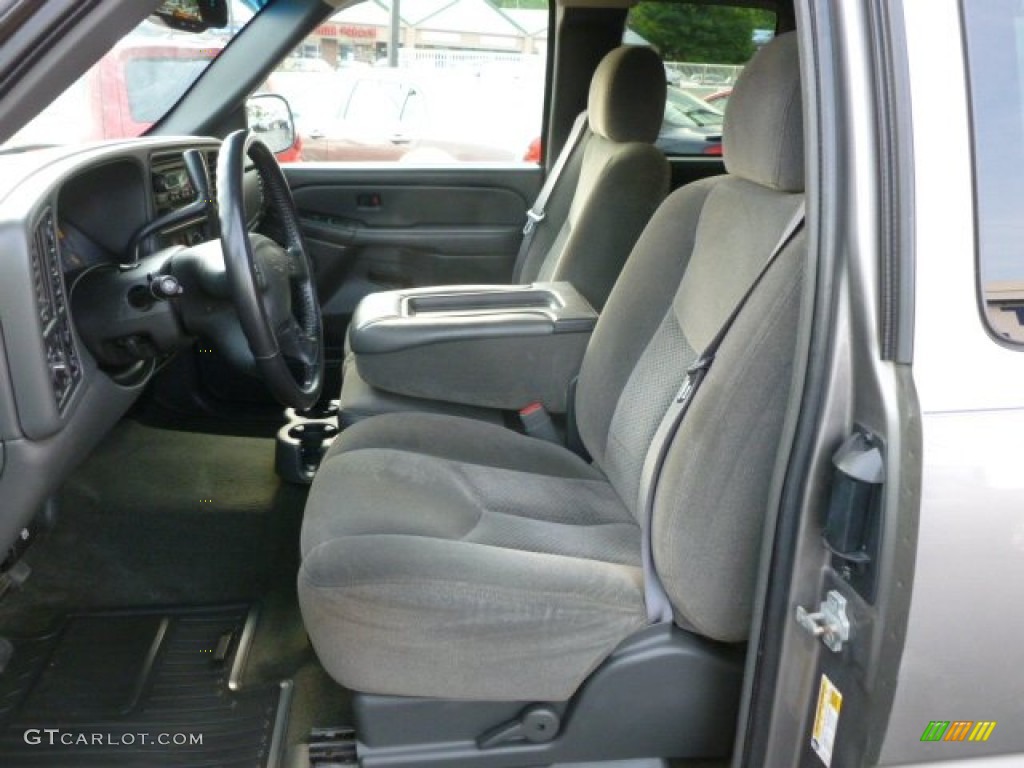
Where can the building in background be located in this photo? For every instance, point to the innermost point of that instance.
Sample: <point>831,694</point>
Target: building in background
<point>1004,305</point>
<point>359,34</point>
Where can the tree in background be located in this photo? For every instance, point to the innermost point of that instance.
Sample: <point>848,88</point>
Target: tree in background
<point>533,4</point>
<point>700,34</point>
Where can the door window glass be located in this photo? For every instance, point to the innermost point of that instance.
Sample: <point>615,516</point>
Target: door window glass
<point>995,52</point>
<point>465,83</point>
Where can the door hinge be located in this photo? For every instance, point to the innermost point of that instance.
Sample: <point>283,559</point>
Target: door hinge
<point>829,622</point>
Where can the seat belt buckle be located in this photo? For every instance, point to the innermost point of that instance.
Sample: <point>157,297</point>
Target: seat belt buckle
<point>533,218</point>
<point>537,422</point>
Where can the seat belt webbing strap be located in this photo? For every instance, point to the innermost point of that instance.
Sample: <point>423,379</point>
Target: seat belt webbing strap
<point>659,607</point>
<point>537,211</point>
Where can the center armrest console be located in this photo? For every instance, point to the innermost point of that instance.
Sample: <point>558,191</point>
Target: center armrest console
<point>493,346</point>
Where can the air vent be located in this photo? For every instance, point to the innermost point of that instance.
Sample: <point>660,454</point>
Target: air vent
<point>51,300</point>
<point>40,285</point>
<point>211,167</point>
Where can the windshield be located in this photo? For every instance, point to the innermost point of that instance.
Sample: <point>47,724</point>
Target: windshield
<point>134,85</point>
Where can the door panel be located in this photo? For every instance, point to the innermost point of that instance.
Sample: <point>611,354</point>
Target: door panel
<point>826,658</point>
<point>372,228</point>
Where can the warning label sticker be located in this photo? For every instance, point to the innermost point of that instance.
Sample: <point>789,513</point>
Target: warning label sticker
<point>826,720</point>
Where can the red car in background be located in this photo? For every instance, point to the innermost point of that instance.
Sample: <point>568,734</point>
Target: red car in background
<point>719,99</point>
<point>128,89</point>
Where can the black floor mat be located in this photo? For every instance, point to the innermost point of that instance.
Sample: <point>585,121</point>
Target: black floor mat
<point>118,689</point>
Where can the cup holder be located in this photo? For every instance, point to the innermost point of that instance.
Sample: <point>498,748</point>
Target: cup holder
<point>303,441</point>
<point>316,413</point>
<point>313,432</point>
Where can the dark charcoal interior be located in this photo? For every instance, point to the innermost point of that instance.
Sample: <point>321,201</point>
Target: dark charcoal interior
<point>166,518</point>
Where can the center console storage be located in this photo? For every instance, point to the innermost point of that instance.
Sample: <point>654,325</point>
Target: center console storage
<point>490,346</point>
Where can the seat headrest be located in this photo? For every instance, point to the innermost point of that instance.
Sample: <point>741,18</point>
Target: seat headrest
<point>627,95</point>
<point>763,136</point>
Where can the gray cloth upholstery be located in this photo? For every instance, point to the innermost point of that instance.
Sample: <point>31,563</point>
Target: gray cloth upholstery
<point>643,295</point>
<point>444,557</point>
<point>497,557</point>
<point>629,179</point>
<point>762,138</point>
<point>627,95</point>
<point>708,513</point>
<point>615,168</point>
<point>552,234</point>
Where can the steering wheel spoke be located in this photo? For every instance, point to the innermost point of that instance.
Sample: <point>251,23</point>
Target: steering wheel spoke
<point>297,345</point>
<point>298,264</point>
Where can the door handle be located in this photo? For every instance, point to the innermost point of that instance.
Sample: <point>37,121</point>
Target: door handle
<point>400,138</point>
<point>369,201</point>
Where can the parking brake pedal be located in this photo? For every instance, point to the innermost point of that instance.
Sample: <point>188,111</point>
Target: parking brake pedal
<point>332,747</point>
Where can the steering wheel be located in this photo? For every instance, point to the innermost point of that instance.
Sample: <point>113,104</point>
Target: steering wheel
<point>271,283</point>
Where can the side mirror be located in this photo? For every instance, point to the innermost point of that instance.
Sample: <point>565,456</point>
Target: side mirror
<point>192,15</point>
<point>269,117</point>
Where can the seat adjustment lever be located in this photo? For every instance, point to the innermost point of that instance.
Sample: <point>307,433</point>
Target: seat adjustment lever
<point>537,724</point>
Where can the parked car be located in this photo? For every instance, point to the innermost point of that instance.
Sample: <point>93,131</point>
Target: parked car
<point>719,99</point>
<point>131,87</point>
<point>383,115</point>
<point>691,125</point>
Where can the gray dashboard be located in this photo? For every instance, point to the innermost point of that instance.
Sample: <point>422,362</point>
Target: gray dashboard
<point>64,211</point>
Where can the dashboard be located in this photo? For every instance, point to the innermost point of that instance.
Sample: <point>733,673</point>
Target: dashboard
<point>68,215</point>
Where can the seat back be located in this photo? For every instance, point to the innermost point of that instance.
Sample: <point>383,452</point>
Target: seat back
<point>701,251</point>
<point>612,183</point>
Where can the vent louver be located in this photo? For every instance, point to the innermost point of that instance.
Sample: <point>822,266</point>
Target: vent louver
<point>51,302</point>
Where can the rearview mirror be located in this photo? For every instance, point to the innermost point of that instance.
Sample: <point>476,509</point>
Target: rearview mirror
<point>269,116</point>
<point>192,15</point>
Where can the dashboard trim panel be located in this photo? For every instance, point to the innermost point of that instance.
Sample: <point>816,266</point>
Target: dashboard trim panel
<point>45,432</point>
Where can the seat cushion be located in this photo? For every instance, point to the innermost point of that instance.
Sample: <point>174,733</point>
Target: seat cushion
<point>452,558</point>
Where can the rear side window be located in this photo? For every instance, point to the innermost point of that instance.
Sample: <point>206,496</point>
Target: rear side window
<point>994,32</point>
<point>704,49</point>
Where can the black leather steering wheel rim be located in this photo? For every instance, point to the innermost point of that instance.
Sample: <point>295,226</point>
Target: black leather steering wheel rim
<point>271,283</point>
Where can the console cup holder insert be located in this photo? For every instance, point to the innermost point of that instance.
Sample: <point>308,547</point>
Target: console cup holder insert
<point>313,432</point>
<point>303,441</point>
<point>319,412</point>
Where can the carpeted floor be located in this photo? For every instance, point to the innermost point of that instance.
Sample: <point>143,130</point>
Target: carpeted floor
<point>167,518</point>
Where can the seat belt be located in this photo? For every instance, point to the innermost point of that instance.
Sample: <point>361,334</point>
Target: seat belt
<point>659,607</point>
<point>537,212</point>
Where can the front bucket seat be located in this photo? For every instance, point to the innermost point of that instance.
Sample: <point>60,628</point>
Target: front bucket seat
<point>448,558</point>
